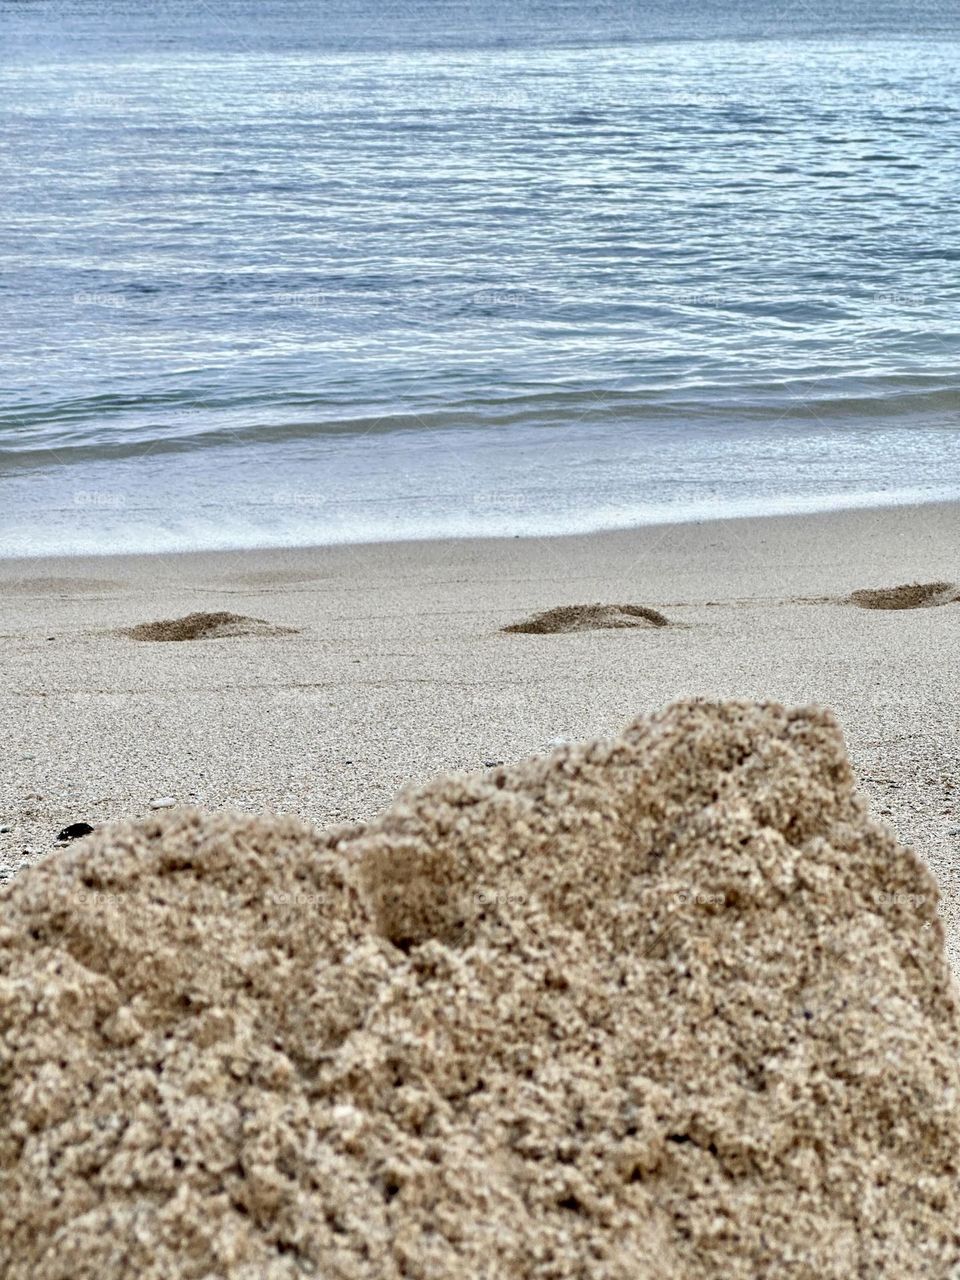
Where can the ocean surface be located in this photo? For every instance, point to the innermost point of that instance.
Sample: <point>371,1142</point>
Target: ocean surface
<point>278,272</point>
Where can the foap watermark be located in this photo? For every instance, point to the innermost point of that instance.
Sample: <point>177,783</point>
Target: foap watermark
<point>497,502</point>
<point>297,499</point>
<point>502,297</point>
<point>877,97</point>
<point>299,899</point>
<point>98,897</point>
<point>702,298</point>
<point>897,899</point>
<point>900,298</point>
<point>99,499</point>
<point>661,896</point>
<point>499,898</point>
<point>96,100</point>
<point>98,298</point>
<point>697,898</point>
<point>301,299</point>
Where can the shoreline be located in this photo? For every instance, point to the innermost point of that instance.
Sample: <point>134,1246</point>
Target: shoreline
<point>393,667</point>
<point>935,506</point>
<point>802,509</point>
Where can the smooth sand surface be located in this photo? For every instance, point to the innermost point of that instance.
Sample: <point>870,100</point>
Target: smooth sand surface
<point>397,668</point>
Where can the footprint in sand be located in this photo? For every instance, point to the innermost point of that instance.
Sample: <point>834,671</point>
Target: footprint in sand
<point>589,617</point>
<point>912,595</point>
<point>206,626</point>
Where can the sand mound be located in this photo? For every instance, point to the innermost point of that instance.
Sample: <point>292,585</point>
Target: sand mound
<point>205,626</point>
<point>667,1006</point>
<point>913,595</point>
<point>588,617</point>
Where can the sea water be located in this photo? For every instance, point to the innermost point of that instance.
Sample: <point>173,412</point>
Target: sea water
<point>278,272</point>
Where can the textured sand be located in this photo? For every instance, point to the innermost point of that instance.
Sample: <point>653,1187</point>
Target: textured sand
<point>587,617</point>
<point>909,595</point>
<point>658,1007</point>
<point>400,669</point>
<point>202,626</point>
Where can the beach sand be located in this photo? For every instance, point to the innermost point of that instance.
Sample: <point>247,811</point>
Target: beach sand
<point>666,1004</point>
<point>386,664</point>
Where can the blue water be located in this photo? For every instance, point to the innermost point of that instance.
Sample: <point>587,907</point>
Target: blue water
<point>279,273</point>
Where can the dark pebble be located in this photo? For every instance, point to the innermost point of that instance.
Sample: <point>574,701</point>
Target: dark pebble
<point>75,831</point>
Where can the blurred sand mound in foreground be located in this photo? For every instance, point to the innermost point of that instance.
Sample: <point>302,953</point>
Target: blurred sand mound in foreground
<point>667,1005</point>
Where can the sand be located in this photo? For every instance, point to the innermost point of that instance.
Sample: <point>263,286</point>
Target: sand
<point>908,595</point>
<point>400,669</point>
<point>587,617</point>
<point>202,626</point>
<point>664,1005</point>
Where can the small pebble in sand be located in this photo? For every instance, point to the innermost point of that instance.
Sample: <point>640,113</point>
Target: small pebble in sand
<point>5,829</point>
<point>491,764</point>
<point>954,831</point>
<point>75,831</point>
<point>163,802</point>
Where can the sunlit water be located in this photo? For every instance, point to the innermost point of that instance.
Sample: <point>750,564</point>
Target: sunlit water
<point>287,272</point>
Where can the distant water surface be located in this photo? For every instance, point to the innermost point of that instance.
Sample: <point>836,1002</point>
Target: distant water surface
<point>287,272</point>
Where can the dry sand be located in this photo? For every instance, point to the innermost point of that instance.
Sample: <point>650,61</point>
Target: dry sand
<point>657,1007</point>
<point>203,626</point>
<point>400,670</point>
<point>587,617</point>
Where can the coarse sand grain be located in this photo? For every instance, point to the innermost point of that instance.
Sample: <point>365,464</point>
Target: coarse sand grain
<point>668,1005</point>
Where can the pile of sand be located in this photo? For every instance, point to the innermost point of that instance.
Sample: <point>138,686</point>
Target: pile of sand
<point>588,617</point>
<point>667,1006</point>
<point>205,626</point>
<point>912,595</point>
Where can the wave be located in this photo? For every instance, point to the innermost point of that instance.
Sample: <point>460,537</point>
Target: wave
<point>117,426</point>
